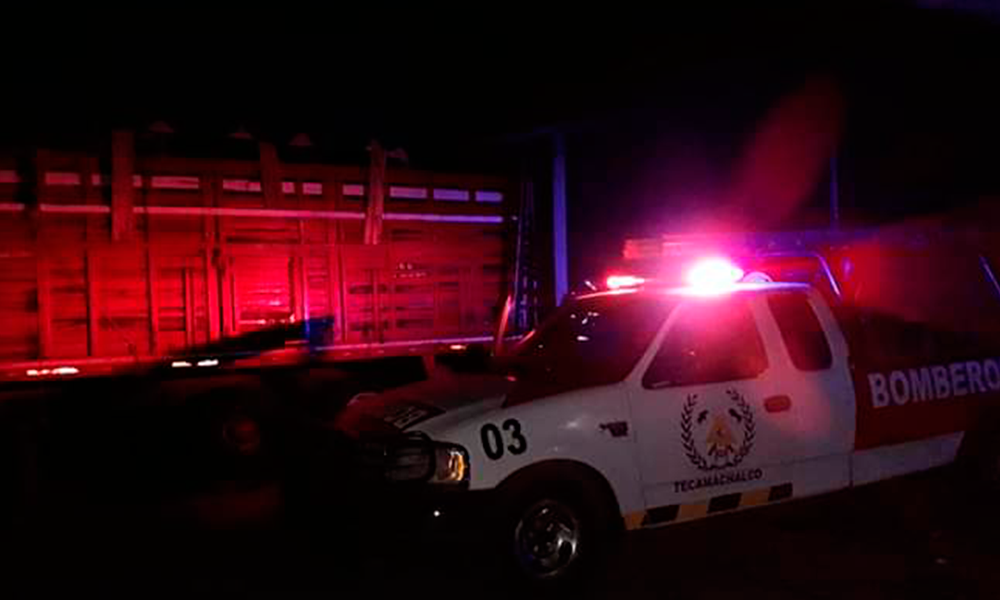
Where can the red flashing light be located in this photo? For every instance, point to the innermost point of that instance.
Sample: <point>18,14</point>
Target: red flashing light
<point>713,275</point>
<point>617,282</point>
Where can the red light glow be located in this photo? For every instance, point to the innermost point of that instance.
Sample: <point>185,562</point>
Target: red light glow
<point>713,275</point>
<point>55,371</point>
<point>617,282</point>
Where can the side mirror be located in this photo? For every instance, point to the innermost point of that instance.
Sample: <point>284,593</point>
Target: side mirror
<point>473,359</point>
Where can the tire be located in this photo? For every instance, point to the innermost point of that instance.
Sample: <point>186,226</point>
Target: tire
<point>553,531</point>
<point>243,440</point>
<point>975,474</point>
<point>229,443</point>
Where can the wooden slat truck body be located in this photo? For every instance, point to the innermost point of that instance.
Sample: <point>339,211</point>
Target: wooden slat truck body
<point>212,254</point>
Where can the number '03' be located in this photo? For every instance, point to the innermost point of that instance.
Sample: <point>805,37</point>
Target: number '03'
<point>493,439</point>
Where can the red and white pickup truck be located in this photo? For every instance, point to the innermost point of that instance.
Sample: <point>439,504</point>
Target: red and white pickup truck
<point>647,406</point>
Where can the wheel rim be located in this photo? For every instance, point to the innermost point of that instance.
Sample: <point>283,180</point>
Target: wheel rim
<point>547,539</point>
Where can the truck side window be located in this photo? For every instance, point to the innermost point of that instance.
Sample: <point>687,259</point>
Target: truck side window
<point>594,341</point>
<point>801,331</point>
<point>712,340</point>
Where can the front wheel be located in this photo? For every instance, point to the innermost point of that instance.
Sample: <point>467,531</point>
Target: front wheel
<point>548,539</point>
<point>553,532</point>
<point>983,471</point>
<point>977,466</point>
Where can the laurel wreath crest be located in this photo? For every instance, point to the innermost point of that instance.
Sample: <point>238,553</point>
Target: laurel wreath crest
<point>687,435</point>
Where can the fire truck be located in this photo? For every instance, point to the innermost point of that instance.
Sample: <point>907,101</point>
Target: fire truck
<point>660,401</point>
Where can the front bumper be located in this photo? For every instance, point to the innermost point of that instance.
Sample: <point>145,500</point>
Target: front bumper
<point>420,513</point>
<point>333,489</point>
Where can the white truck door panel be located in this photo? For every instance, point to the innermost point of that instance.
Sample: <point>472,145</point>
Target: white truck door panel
<point>811,367</point>
<point>719,409</point>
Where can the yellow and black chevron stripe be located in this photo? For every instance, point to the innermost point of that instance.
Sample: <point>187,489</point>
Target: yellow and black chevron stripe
<point>696,510</point>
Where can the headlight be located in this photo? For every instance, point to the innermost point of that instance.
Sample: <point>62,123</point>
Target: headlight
<point>409,462</point>
<point>427,461</point>
<point>451,464</point>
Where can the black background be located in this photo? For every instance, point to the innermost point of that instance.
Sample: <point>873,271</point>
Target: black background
<point>660,106</point>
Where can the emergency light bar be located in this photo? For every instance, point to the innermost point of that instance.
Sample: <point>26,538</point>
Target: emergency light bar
<point>617,282</point>
<point>713,275</point>
<point>706,276</point>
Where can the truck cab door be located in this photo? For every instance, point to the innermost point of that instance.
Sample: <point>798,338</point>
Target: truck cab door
<point>812,362</point>
<point>718,414</point>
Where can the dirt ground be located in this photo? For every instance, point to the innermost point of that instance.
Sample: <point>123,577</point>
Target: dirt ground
<point>910,538</point>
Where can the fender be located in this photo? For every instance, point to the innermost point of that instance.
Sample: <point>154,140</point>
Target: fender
<point>584,426</point>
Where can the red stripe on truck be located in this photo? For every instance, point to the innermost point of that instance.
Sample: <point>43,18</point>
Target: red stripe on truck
<point>909,403</point>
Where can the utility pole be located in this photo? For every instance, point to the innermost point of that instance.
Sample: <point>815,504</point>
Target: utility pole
<point>559,245</point>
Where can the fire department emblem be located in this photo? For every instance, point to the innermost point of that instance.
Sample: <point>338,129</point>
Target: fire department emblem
<point>717,436</point>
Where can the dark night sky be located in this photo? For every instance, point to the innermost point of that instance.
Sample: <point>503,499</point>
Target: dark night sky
<point>662,111</point>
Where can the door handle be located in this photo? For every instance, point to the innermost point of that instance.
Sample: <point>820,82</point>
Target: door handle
<point>778,403</point>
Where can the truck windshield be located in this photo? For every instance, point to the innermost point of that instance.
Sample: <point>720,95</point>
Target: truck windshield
<point>592,341</point>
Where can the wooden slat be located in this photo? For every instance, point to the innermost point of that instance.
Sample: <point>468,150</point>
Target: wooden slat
<point>210,190</point>
<point>93,306</point>
<point>97,226</point>
<point>263,290</point>
<point>18,319</point>
<point>333,305</point>
<point>154,308</point>
<point>44,308</point>
<point>229,298</point>
<point>376,300</point>
<point>68,309</point>
<point>212,295</point>
<point>123,301</point>
<point>300,300</point>
<point>342,296</point>
<point>122,188</point>
<point>189,333</point>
